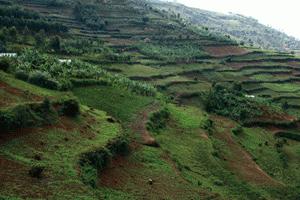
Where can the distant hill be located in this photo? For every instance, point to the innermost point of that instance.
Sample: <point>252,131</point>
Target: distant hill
<point>245,29</point>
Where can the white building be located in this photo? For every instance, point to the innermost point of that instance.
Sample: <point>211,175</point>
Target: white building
<point>8,55</point>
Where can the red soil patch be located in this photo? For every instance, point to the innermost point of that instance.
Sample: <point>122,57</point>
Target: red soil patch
<point>294,64</point>
<point>240,160</point>
<point>15,176</point>
<point>140,126</point>
<point>269,115</point>
<point>222,51</point>
<point>131,176</point>
<point>26,96</point>
<point>64,123</point>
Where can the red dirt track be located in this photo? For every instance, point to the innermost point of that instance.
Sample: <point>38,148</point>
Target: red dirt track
<point>223,51</point>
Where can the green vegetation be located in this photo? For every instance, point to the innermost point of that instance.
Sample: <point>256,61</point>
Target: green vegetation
<point>232,103</point>
<point>119,103</point>
<point>158,120</point>
<point>27,115</point>
<point>172,53</point>
<point>235,25</point>
<point>78,106</point>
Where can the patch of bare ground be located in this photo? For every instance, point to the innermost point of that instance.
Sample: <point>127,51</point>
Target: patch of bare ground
<point>15,176</point>
<point>139,126</point>
<point>132,176</point>
<point>63,123</point>
<point>26,96</point>
<point>223,51</point>
<point>239,160</point>
<point>239,65</point>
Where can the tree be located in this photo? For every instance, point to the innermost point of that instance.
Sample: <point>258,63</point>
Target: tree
<point>285,105</point>
<point>40,38</point>
<point>13,33</point>
<point>55,43</point>
<point>2,47</point>
<point>145,19</point>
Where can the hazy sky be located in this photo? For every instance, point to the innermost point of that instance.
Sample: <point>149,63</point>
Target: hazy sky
<point>280,14</point>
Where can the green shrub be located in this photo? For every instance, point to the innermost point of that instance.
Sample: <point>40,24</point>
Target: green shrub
<point>65,84</point>
<point>231,103</point>
<point>70,108</point>
<point>27,115</point>
<point>238,130</point>
<point>89,175</point>
<point>208,125</point>
<point>119,146</point>
<point>4,63</point>
<point>93,162</point>
<point>98,159</point>
<point>43,79</point>
<point>22,75</point>
<point>158,120</point>
<point>36,171</point>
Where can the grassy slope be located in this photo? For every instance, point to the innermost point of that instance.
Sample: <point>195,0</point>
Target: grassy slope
<point>120,104</point>
<point>57,147</point>
<point>190,163</point>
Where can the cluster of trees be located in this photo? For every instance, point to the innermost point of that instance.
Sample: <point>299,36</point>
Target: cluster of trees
<point>14,16</point>
<point>46,71</point>
<point>172,52</point>
<point>88,14</point>
<point>231,102</point>
<point>40,39</point>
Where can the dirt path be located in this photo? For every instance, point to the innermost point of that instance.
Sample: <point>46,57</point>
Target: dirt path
<point>139,126</point>
<point>240,161</point>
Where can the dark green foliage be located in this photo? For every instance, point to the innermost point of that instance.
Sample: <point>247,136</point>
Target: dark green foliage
<point>231,103</point>
<point>5,63</point>
<point>288,135</point>
<point>145,19</point>
<point>285,105</point>
<point>48,72</point>
<point>88,82</point>
<point>70,108</point>
<point>56,3</point>
<point>119,146</point>
<point>22,75</point>
<point>27,115</point>
<point>98,159</point>
<point>89,175</point>
<point>55,43</point>
<point>93,162</point>
<point>158,120</point>
<point>43,79</point>
<point>173,51</point>
<point>15,16</point>
<point>238,130</point>
<point>89,14</point>
<point>2,43</point>
<point>36,171</point>
<point>208,125</point>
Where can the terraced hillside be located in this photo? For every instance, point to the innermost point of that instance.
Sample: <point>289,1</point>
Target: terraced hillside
<point>129,102</point>
<point>243,28</point>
